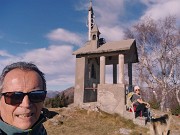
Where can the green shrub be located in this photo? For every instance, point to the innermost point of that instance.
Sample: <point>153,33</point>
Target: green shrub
<point>154,103</point>
<point>58,101</point>
<point>176,110</point>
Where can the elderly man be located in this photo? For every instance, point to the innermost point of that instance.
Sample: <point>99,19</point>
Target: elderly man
<point>22,93</point>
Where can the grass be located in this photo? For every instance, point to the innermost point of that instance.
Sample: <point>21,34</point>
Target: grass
<point>72,121</point>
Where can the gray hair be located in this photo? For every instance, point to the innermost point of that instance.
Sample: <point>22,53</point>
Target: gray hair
<point>23,66</point>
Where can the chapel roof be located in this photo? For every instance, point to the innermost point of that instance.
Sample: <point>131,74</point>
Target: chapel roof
<point>114,46</point>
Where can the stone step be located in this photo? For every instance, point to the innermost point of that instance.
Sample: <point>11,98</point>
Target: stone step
<point>128,115</point>
<point>139,120</point>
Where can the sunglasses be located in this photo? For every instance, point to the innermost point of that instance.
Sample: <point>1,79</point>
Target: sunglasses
<point>15,98</point>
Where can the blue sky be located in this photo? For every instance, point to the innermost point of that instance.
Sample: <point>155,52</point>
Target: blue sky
<point>46,32</point>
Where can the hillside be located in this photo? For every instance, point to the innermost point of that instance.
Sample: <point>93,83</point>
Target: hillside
<point>73,121</point>
<point>52,94</point>
<point>68,92</point>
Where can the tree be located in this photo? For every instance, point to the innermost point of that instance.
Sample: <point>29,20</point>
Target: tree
<point>55,102</point>
<point>63,100</point>
<point>158,44</point>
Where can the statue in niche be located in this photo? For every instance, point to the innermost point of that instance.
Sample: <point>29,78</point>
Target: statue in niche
<point>93,72</point>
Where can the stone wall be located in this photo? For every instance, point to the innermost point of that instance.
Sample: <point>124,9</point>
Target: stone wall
<point>111,98</point>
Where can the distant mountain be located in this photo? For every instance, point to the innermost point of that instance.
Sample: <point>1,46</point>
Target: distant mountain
<point>52,93</point>
<point>69,92</point>
<point>59,98</point>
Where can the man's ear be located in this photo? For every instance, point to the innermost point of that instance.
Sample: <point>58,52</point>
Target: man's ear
<point>0,106</point>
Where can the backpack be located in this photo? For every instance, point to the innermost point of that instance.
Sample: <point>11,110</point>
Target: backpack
<point>129,99</point>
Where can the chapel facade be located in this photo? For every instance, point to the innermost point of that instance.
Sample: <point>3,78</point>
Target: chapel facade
<point>91,62</point>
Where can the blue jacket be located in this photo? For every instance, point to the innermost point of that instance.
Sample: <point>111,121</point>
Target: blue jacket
<point>37,129</point>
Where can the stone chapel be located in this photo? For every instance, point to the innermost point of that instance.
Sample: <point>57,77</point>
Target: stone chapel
<point>91,62</point>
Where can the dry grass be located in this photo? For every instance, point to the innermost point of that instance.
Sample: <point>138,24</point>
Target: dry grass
<point>71,121</point>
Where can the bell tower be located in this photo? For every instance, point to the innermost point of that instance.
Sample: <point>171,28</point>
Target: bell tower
<point>95,37</point>
<point>90,20</point>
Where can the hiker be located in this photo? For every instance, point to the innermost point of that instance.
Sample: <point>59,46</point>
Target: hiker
<point>22,93</point>
<point>141,106</point>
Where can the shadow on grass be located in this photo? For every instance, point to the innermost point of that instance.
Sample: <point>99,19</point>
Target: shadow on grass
<point>48,114</point>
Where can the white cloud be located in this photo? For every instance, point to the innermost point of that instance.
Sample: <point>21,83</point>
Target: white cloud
<point>108,11</point>
<point>5,54</point>
<point>62,80</point>
<point>63,35</point>
<point>56,61</point>
<point>112,33</point>
<point>5,59</point>
<point>164,8</point>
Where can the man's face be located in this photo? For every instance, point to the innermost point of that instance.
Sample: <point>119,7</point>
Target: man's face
<point>25,114</point>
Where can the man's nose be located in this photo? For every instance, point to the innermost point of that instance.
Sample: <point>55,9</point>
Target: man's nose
<point>26,102</point>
